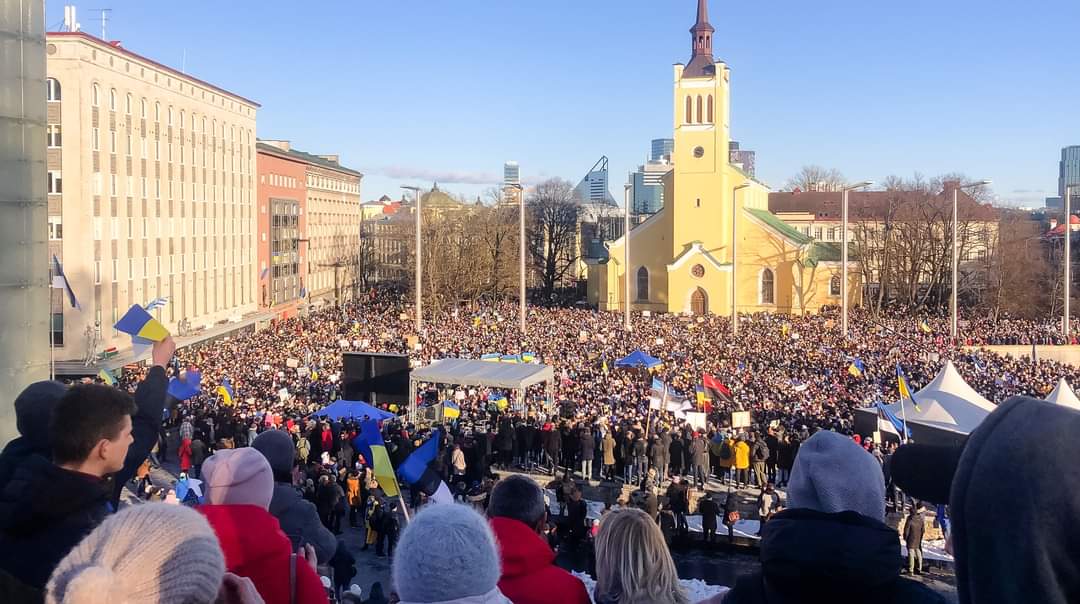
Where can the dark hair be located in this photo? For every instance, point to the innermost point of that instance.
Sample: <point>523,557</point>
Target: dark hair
<point>517,497</point>
<point>84,416</point>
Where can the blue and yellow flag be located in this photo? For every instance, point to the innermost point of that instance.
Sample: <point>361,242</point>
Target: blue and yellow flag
<point>902,386</point>
<point>107,377</point>
<point>528,357</point>
<point>856,368</point>
<point>136,322</point>
<point>491,356</point>
<point>510,358</point>
<point>226,392</point>
<point>370,444</point>
<point>924,327</point>
<point>451,410</point>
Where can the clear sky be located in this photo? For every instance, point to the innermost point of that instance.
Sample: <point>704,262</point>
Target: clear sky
<point>411,91</point>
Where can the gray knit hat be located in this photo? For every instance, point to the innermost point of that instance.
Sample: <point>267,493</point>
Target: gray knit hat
<point>151,552</point>
<point>278,449</point>
<point>833,474</point>
<point>447,552</point>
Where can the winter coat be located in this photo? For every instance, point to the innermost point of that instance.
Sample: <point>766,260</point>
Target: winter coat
<point>678,497</point>
<point>665,447</point>
<point>504,440</point>
<point>810,556</point>
<point>255,547</point>
<point>608,446</point>
<point>698,452</point>
<point>198,452</point>
<point>587,443</point>
<point>45,511</point>
<point>676,450</point>
<point>529,573</point>
<point>639,448</point>
<point>913,531</point>
<point>785,458</point>
<point>742,455</point>
<point>726,462</point>
<point>492,597</point>
<point>353,482</point>
<point>709,510</point>
<point>184,453</point>
<point>299,520</point>
<point>760,453</point>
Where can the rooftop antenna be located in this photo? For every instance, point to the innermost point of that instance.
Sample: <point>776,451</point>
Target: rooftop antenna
<point>104,19</point>
<point>70,21</point>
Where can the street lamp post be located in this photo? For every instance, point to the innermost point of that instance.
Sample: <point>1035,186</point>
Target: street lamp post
<point>1068,258</point>
<point>953,306</point>
<point>844,254</point>
<point>627,195</point>
<point>522,310</point>
<point>734,248</point>
<point>419,275</point>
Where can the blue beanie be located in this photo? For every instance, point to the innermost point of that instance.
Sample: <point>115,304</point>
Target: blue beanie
<point>833,474</point>
<point>447,552</point>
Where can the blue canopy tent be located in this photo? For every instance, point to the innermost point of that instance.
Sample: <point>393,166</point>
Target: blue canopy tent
<point>638,359</point>
<point>343,409</point>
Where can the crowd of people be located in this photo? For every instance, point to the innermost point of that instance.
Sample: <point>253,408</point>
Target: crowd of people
<point>280,483</point>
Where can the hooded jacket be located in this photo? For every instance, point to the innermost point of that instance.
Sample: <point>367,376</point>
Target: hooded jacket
<point>810,556</point>
<point>45,511</point>
<point>1016,540</point>
<point>255,547</point>
<point>299,520</point>
<point>492,597</point>
<point>529,574</point>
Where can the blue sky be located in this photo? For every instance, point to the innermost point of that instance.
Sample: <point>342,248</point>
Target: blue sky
<point>411,91</point>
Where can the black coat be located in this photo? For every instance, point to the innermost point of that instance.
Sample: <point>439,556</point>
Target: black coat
<point>913,531</point>
<point>709,511</point>
<point>810,556</point>
<point>504,440</point>
<point>45,511</point>
<point>587,443</point>
<point>676,449</point>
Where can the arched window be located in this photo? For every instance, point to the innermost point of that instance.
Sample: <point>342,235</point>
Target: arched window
<point>710,108</point>
<point>157,111</point>
<point>95,97</point>
<point>767,288</point>
<point>643,283</point>
<point>112,99</point>
<point>689,111</point>
<point>169,115</point>
<point>142,108</point>
<point>699,109</point>
<point>52,89</point>
<point>181,118</point>
<point>127,104</point>
<point>834,286</point>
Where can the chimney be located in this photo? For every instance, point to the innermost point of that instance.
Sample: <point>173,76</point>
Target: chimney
<point>280,144</point>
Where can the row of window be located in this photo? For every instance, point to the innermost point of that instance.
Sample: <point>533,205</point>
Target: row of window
<point>53,87</point>
<point>245,158</point>
<point>209,192</point>
<point>176,265</point>
<point>766,286</point>
<point>703,117</point>
<point>166,227</point>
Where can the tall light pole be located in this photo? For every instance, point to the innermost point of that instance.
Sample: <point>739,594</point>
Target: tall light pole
<point>419,276</point>
<point>627,195</point>
<point>953,306</point>
<point>844,254</point>
<point>734,249</point>
<point>1068,258</point>
<point>522,310</point>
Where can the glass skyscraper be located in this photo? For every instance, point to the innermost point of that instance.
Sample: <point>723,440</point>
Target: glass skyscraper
<point>1069,170</point>
<point>662,149</point>
<point>511,173</point>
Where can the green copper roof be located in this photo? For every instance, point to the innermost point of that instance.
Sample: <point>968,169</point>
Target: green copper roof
<point>779,226</point>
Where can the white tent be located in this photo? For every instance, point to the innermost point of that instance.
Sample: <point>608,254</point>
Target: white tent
<point>469,372</point>
<point>947,403</point>
<point>1064,395</point>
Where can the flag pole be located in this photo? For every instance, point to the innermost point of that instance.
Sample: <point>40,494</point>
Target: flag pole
<point>52,347</point>
<point>903,412</point>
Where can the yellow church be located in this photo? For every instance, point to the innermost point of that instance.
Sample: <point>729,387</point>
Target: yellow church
<point>682,257</point>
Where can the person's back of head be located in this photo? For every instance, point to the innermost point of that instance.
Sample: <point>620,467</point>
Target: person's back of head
<point>90,429</point>
<point>833,474</point>
<point>633,564</point>
<point>446,553</point>
<point>33,410</point>
<point>519,498</point>
<point>238,477</point>
<point>278,449</point>
<point>152,552</point>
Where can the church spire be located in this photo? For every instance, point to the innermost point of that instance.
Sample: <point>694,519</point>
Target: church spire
<point>701,60</point>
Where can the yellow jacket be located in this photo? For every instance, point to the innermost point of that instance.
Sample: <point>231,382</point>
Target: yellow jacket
<point>742,455</point>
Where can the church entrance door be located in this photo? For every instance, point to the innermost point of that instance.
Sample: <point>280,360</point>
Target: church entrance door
<point>699,303</point>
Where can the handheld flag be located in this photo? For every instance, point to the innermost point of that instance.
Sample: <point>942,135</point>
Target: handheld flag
<point>856,368</point>
<point>924,327</point>
<point>715,390</point>
<point>138,323</point>
<point>226,392</point>
<point>303,292</point>
<point>370,444</point>
<point>157,303</point>
<point>902,386</point>
<point>185,386</point>
<point>265,273</point>
<point>107,377</point>
<point>603,366</point>
<point>703,401</point>
<point>60,281</point>
<point>416,472</point>
<point>451,410</point>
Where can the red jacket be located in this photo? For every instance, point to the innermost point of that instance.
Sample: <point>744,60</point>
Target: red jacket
<point>185,455</point>
<point>529,575</point>
<point>255,547</point>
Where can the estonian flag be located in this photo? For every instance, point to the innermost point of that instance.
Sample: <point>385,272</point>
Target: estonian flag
<point>370,444</point>
<point>888,422</point>
<point>714,389</point>
<point>416,472</point>
<point>226,392</point>
<point>157,303</point>
<point>265,272</point>
<point>60,281</point>
<point>138,323</point>
<point>185,386</point>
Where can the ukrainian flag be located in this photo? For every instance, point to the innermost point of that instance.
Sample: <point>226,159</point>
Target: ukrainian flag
<point>528,357</point>
<point>925,327</point>
<point>510,358</point>
<point>491,356</point>
<point>902,386</point>
<point>226,392</point>
<point>371,446</point>
<point>137,322</point>
<point>856,368</point>
<point>451,410</point>
<point>107,377</point>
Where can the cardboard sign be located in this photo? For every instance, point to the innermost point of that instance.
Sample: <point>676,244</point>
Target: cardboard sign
<point>740,419</point>
<point>696,420</point>
<point>292,363</point>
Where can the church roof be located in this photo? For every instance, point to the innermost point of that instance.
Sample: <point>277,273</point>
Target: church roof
<point>869,205</point>
<point>436,198</point>
<point>782,228</point>
<point>702,64</point>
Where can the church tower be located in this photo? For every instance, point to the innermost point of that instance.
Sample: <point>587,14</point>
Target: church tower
<point>702,198</point>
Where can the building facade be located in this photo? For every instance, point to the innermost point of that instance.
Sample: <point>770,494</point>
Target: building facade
<point>1069,170</point>
<point>681,258</point>
<point>662,149</point>
<point>511,174</point>
<point>151,181</point>
<point>743,159</point>
<point>594,186</point>
<point>647,188</point>
<point>282,201</point>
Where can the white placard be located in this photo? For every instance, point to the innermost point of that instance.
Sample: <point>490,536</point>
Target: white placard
<point>459,395</point>
<point>696,420</point>
<point>292,363</point>
<point>343,343</point>
<point>740,419</point>
<point>283,394</point>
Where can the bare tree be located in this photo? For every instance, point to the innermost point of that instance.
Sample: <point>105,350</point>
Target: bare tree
<point>552,232</point>
<point>816,178</point>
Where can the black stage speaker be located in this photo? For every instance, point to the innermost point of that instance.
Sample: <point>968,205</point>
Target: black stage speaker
<point>375,378</point>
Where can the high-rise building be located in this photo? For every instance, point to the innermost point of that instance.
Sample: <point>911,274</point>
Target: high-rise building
<point>648,189</point>
<point>1069,169</point>
<point>152,172</point>
<point>511,174</point>
<point>594,187</point>
<point>662,149</point>
<point>741,158</point>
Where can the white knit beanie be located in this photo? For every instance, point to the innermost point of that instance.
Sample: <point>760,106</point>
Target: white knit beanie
<point>146,553</point>
<point>446,552</point>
